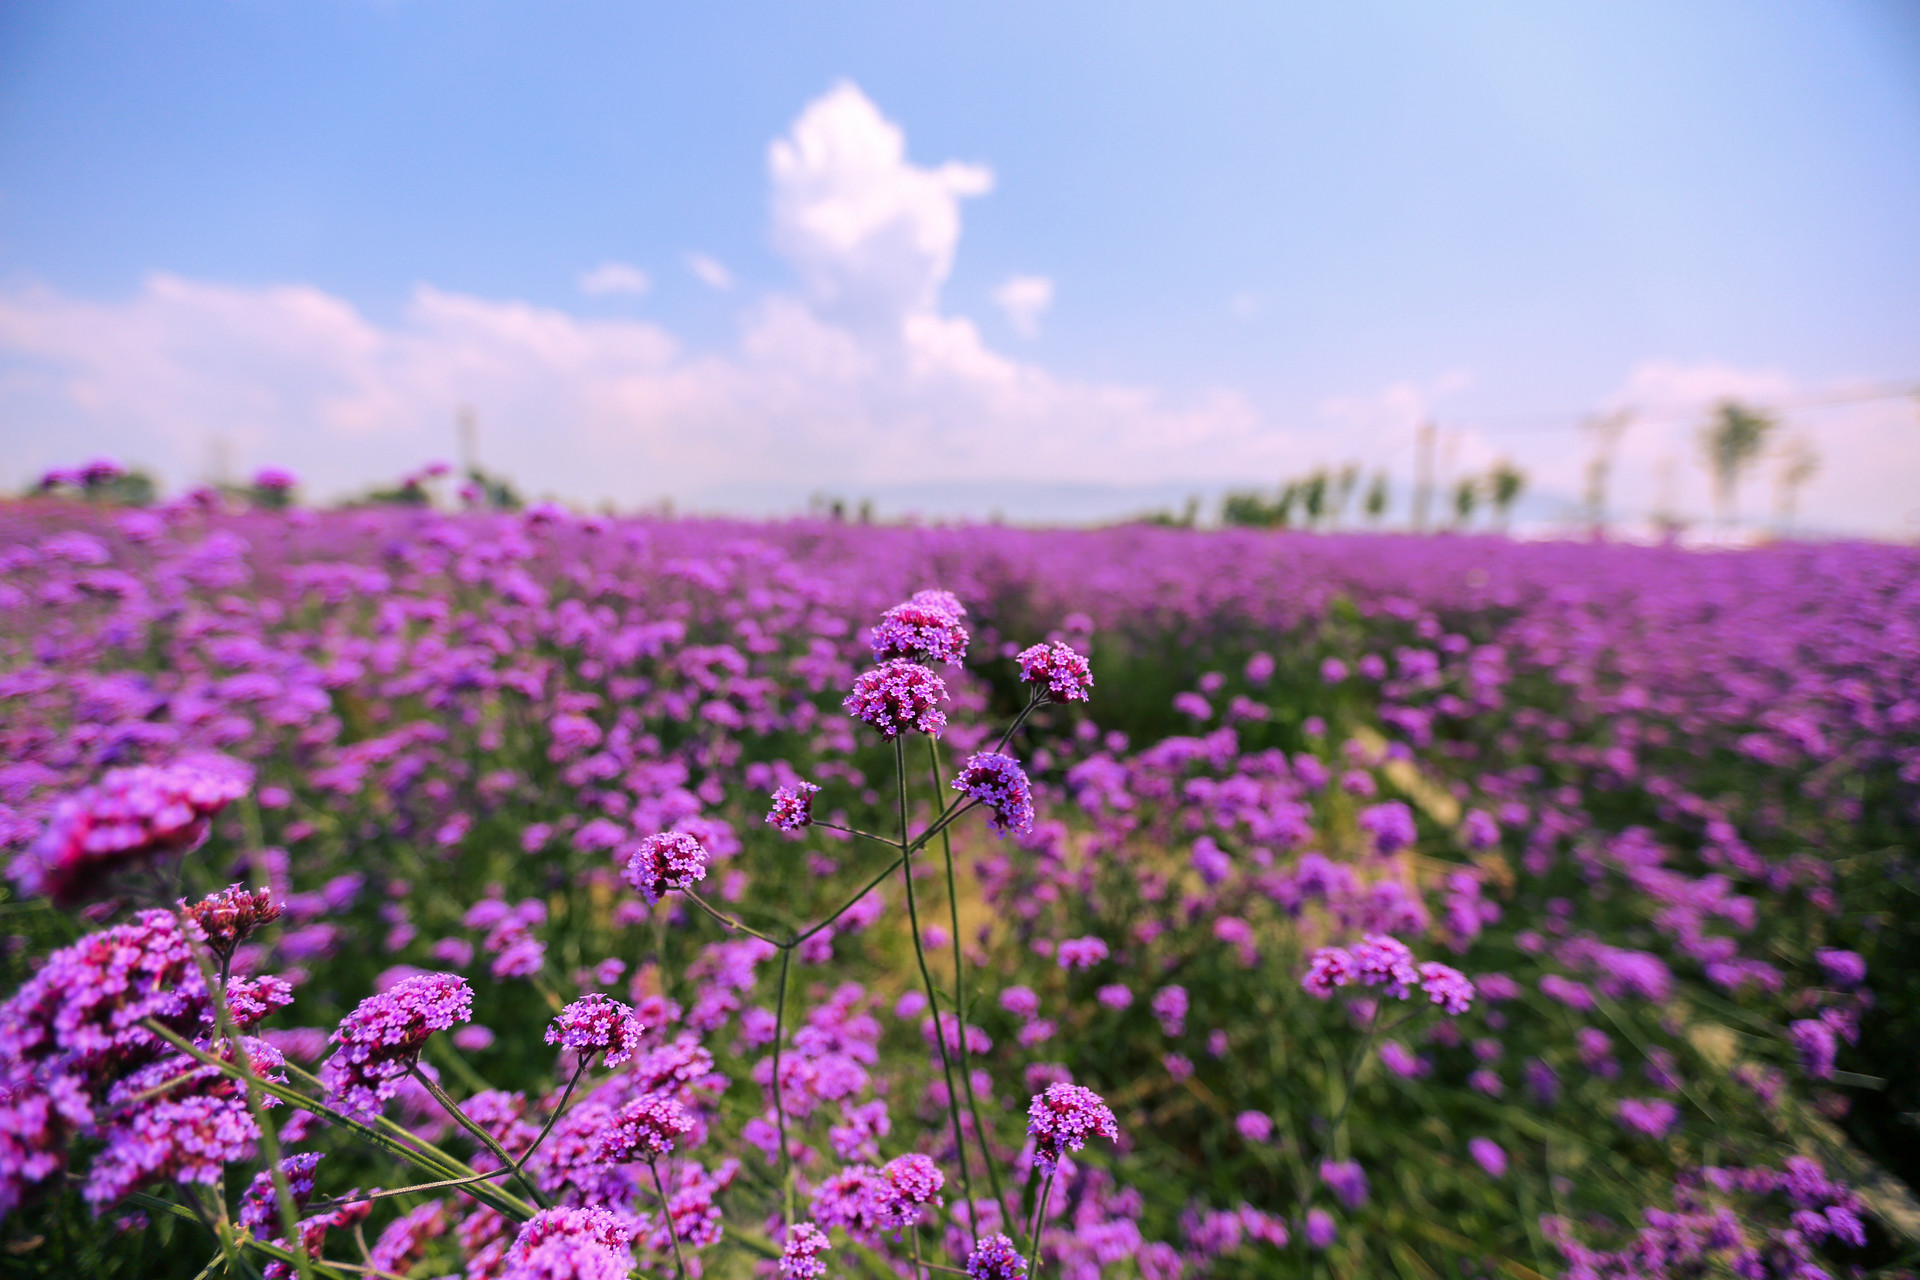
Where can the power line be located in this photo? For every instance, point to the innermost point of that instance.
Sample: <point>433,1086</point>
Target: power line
<point>1557,421</point>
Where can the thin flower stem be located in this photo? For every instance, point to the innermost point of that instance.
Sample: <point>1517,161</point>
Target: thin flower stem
<point>1040,1218</point>
<point>559,1110</point>
<point>1034,699</point>
<point>727,920</point>
<point>666,1211</point>
<point>488,1140</point>
<point>367,1196</point>
<point>918,1266</point>
<point>168,1207</point>
<point>960,1007</point>
<point>851,902</point>
<point>855,831</point>
<point>926,975</point>
<point>779,1104</point>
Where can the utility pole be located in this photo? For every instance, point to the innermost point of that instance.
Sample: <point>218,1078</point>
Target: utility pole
<point>1606,429</point>
<point>1423,474</point>
<point>466,426</point>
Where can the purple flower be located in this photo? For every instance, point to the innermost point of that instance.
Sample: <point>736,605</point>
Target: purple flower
<point>793,807</point>
<point>183,1140</point>
<point>1060,1119</point>
<point>571,1244</point>
<point>1114,995</point>
<point>1254,1126</point>
<point>801,1257</point>
<point>999,782</point>
<point>1380,960</point>
<point>1169,1005</point>
<point>381,1040</point>
<point>1390,825</point>
<point>670,860</point>
<point>643,1129</point>
<point>1654,1117</point>
<point>1446,987</point>
<point>1347,1180</point>
<point>1021,1002</point>
<point>899,695</point>
<point>259,1204</point>
<point>1081,953</point>
<point>925,629</point>
<point>1489,1155</point>
<point>128,816</point>
<point>1062,673</point>
<point>1328,968</point>
<point>995,1258</point>
<point>1843,968</point>
<point>1321,1230</point>
<point>226,919</point>
<point>1814,1041</point>
<point>274,479</point>
<point>596,1023</point>
<point>905,1185</point>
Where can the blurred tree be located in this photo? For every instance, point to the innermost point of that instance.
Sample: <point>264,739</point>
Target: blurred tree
<point>1313,497</point>
<point>1504,485</point>
<point>1732,439</point>
<point>1343,486</point>
<point>1375,502</point>
<point>1798,464</point>
<point>1606,430</point>
<point>1466,496</point>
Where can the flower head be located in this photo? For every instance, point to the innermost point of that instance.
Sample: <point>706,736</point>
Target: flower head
<point>596,1023</point>
<point>995,1258</point>
<point>793,807</point>
<point>1060,1119</point>
<point>1347,1180</point>
<point>1446,987</point>
<point>381,1040</point>
<point>1061,672</point>
<point>259,1206</point>
<point>670,860</point>
<point>128,816</point>
<point>925,628</point>
<point>643,1129</point>
<point>905,1185</point>
<point>801,1257</point>
<point>1380,960</point>
<point>225,919</point>
<point>571,1244</point>
<point>999,782</point>
<point>899,695</point>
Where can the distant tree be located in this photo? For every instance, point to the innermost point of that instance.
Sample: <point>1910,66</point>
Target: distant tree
<point>1732,439</point>
<point>1504,485</point>
<point>1798,464</point>
<point>1313,497</point>
<point>1606,430</point>
<point>1375,503</point>
<point>1343,486</point>
<point>1246,509</point>
<point>1466,496</point>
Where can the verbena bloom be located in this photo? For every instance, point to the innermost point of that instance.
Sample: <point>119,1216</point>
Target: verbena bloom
<point>1816,1046</point>
<point>260,1204</point>
<point>1060,1119</point>
<point>999,782</point>
<point>274,479</point>
<point>1254,1126</point>
<point>1328,968</point>
<point>670,860</point>
<point>899,695</point>
<point>571,1244</point>
<point>1654,1117</point>
<point>381,1040</point>
<point>924,629</point>
<point>906,1184</point>
<point>793,807</point>
<point>1114,995</point>
<point>1169,1005</point>
<point>1390,825</point>
<point>643,1129</point>
<point>1321,1229</point>
<point>1347,1180</point>
<point>1081,953</point>
<point>129,815</point>
<point>801,1257</point>
<point>995,1258</point>
<point>226,919</point>
<point>1489,1155</point>
<point>1059,671</point>
<point>1843,968</point>
<point>1446,987</point>
<point>597,1023</point>
<point>1380,960</point>
<point>182,1140</point>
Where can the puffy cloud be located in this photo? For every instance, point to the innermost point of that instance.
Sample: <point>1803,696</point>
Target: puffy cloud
<point>1025,299</point>
<point>710,271</point>
<point>614,277</point>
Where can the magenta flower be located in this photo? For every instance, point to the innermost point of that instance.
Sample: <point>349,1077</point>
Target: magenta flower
<point>183,1140</point>
<point>1328,968</point>
<point>906,1185</point>
<point>1062,1117</point>
<point>1489,1155</point>
<point>571,1244</point>
<point>999,782</point>
<point>801,1257</point>
<point>381,1040</point>
<point>1379,960</point>
<point>259,1205</point>
<point>1061,673</point>
<point>128,816</point>
<point>1446,987</point>
<point>597,1023</point>
<point>899,695</point>
<point>1347,1180</point>
<point>226,919</point>
<point>1081,953</point>
<point>995,1258</point>
<point>1321,1229</point>
<point>643,1129</point>
<point>923,629</point>
<point>670,860</point>
<point>1254,1126</point>
<point>793,807</point>
<point>1169,1005</point>
<point>1654,1117</point>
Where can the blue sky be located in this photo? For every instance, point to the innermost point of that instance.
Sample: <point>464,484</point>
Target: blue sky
<point>1254,239</point>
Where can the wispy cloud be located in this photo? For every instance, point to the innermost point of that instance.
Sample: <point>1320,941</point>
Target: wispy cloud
<point>1024,299</point>
<point>710,271</point>
<point>613,278</point>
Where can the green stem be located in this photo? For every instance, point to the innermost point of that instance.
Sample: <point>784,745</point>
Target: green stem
<point>1040,1218</point>
<point>666,1211</point>
<point>146,1201</point>
<point>779,1104</point>
<point>851,903</point>
<point>728,921</point>
<point>488,1140</point>
<point>926,975</point>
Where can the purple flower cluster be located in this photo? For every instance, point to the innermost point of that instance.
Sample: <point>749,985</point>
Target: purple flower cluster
<point>129,816</point>
<point>1382,961</point>
<point>995,1258</point>
<point>644,1128</point>
<point>924,629</point>
<point>380,1041</point>
<point>1062,1117</point>
<point>225,919</point>
<point>597,1023</point>
<point>906,1185</point>
<point>571,1244</point>
<point>897,696</point>
<point>793,807</point>
<point>1059,671</point>
<point>800,1258</point>
<point>669,860</point>
<point>999,782</point>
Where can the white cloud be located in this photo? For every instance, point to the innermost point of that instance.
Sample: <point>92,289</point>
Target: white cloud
<point>614,277</point>
<point>1025,299</point>
<point>710,271</point>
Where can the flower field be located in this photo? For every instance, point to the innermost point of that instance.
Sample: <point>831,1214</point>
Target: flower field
<point>402,894</point>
